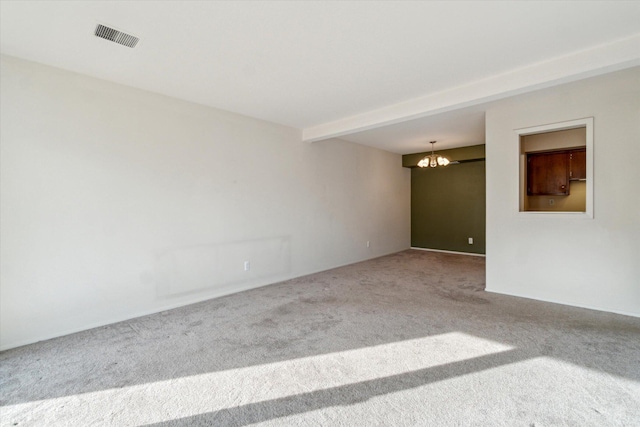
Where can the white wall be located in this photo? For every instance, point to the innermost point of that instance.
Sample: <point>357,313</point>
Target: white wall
<point>585,262</point>
<point>118,202</point>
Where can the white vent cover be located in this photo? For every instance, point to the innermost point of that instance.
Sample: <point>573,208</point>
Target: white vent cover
<point>116,36</point>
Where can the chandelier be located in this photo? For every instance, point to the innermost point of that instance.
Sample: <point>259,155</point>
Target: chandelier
<point>432,160</point>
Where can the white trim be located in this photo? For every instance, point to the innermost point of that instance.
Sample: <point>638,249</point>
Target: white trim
<point>448,252</point>
<point>594,61</point>
<point>588,307</point>
<point>550,127</point>
<point>586,122</point>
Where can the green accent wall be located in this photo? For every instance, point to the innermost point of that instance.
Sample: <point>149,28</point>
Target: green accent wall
<point>448,203</point>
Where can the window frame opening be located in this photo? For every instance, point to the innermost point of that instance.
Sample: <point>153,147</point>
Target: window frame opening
<point>587,124</point>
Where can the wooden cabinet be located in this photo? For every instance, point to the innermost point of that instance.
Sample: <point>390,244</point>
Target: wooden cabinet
<point>577,164</point>
<point>549,173</point>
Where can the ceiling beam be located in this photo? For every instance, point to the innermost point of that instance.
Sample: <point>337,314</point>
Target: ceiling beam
<point>591,62</point>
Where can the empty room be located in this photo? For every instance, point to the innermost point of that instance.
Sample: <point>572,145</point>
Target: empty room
<point>391,213</point>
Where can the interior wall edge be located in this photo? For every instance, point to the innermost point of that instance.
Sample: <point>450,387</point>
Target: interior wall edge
<point>448,252</point>
<point>564,302</point>
<point>184,303</point>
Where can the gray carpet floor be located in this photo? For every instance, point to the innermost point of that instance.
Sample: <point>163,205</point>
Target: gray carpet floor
<point>409,339</point>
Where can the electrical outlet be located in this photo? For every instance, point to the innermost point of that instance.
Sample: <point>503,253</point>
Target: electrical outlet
<point>247,266</point>
<point>552,202</point>
<point>471,240</point>
<point>368,244</point>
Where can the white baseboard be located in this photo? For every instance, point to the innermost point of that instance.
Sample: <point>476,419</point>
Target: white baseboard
<point>605,310</point>
<point>142,313</point>
<point>182,303</point>
<point>448,252</point>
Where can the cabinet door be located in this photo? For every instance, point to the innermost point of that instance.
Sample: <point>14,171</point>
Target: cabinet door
<point>578,164</point>
<point>548,174</point>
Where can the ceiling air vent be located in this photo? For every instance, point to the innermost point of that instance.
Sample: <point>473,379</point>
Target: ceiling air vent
<point>116,36</point>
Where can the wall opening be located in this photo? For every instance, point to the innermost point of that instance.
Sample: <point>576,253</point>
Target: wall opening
<point>556,168</point>
<point>448,203</point>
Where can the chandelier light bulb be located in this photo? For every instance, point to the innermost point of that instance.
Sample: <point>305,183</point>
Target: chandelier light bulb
<point>432,160</point>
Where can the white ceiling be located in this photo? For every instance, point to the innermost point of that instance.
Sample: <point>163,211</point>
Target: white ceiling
<point>458,128</point>
<point>334,68</point>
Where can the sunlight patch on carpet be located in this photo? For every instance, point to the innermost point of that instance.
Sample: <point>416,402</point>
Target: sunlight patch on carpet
<point>214,391</point>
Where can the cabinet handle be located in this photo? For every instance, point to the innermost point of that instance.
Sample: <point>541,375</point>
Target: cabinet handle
<point>562,187</point>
